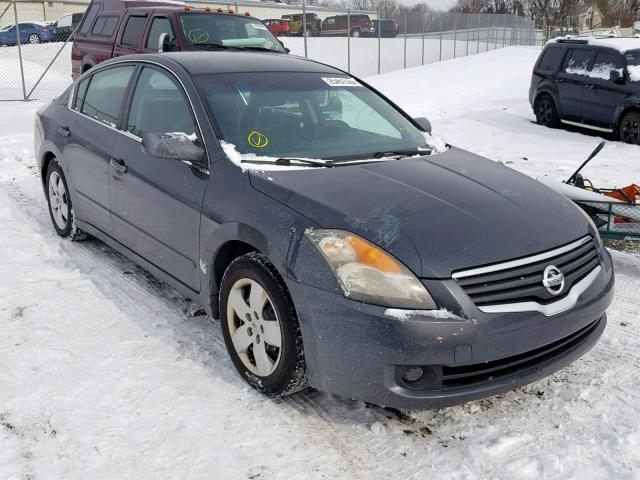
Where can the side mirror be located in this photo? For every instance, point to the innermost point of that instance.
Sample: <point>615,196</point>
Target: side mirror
<point>165,42</point>
<point>423,123</point>
<point>176,146</point>
<point>615,76</point>
<point>282,44</point>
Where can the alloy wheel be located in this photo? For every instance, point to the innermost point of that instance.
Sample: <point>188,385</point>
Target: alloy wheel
<point>254,327</point>
<point>545,112</point>
<point>33,38</point>
<point>58,200</point>
<point>630,130</point>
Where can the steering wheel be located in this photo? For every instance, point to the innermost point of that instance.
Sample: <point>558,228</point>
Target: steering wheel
<point>332,128</point>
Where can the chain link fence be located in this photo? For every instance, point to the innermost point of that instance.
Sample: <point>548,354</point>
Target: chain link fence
<point>35,57</point>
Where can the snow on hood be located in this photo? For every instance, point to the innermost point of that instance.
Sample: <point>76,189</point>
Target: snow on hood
<point>437,144</point>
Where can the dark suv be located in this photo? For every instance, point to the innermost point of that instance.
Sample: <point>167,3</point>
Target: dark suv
<point>589,82</point>
<point>112,28</point>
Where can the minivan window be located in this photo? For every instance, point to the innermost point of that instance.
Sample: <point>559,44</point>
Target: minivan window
<point>159,106</point>
<point>159,26</point>
<point>133,30</point>
<point>604,64</point>
<point>633,65</point>
<point>305,115</point>
<point>90,17</point>
<point>577,61</point>
<point>227,30</point>
<point>105,93</point>
<point>550,58</point>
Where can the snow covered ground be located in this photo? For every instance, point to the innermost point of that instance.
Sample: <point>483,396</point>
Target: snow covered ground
<point>106,373</point>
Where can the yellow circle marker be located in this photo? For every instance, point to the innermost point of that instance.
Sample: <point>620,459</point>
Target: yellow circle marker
<point>257,139</point>
<point>197,35</point>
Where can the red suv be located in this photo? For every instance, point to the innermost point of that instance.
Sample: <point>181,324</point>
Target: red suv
<point>111,28</point>
<point>278,26</point>
<point>342,25</point>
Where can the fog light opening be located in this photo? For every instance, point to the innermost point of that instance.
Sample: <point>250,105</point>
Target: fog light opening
<point>412,374</point>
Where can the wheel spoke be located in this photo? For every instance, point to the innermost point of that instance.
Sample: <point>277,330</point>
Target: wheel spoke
<point>237,303</point>
<point>60,218</point>
<point>241,339</point>
<point>257,298</point>
<point>264,364</point>
<point>271,333</point>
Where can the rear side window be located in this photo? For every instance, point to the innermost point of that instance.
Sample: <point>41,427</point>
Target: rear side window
<point>81,91</point>
<point>104,95</point>
<point>133,31</point>
<point>159,106</point>
<point>104,26</point>
<point>605,63</point>
<point>577,61</point>
<point>159,26</point>
<point>90,17</point>
<point>550,59</point>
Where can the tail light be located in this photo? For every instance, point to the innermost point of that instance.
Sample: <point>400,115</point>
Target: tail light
<point>396,25</point>
<point>42,29</point>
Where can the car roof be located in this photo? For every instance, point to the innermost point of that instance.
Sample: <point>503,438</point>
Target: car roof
<point>228,61</point>
<point>622,44</point>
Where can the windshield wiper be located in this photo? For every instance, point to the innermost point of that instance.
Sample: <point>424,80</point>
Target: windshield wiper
<point>288,162</point>
<point>379,156</point>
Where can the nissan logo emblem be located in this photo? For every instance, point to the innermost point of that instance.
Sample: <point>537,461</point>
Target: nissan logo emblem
<point>553,280</point>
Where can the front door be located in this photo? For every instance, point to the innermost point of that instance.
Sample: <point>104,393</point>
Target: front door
<point>156,202</point>
<point>571,82</point>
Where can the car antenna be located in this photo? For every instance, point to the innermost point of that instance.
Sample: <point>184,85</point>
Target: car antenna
<point>593,154</point>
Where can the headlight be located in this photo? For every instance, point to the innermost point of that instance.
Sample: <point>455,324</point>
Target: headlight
<point>369,274</point>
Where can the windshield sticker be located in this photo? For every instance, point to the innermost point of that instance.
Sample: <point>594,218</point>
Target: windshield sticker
<point>341,82</point>
<point>197,35</point>
<point>257,139</point>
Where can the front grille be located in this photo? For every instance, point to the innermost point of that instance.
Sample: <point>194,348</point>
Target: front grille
<point>521,280</point>
<point>482,372</point>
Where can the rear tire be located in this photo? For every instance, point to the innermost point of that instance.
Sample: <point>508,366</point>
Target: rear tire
<point>355,32</point>
<point>546,112</point>
<point>60,206</point>
<point>34,38</point>
<point>260,327</point>
<point>630,128</point>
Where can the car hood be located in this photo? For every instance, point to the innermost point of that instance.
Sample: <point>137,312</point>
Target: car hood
<point>437,214</point>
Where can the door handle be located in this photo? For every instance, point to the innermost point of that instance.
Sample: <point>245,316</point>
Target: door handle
<point>588,87</point>
<point>118,165</point>
<point>64,131</point>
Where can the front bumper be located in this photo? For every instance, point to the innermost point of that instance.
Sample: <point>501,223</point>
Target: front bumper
<point>362,351</point>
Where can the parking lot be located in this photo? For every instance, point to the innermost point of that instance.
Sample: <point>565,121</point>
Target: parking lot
<point>108,373</point>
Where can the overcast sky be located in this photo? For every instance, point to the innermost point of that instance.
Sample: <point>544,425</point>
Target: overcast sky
<point>435,4</point>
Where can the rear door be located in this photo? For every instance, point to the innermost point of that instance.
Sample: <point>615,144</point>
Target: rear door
<point>156,202</point>
<point>603,96</point>
<point>87,136</point>
<point>130,38</point>
<point>572,80</point>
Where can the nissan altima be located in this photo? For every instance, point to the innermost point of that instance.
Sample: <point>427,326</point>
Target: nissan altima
<point>341,245</point>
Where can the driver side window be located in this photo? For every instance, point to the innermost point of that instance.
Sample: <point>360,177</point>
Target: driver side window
<point>159,106</point>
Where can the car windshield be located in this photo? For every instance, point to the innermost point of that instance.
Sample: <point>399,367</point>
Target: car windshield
<point>228,31</point>
<point>306,115</point>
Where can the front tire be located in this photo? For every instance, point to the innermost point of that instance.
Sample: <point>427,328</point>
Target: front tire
<point>60,206</point>
<point>546,112</point>
<point>260,327</point>
<point>630,128</point>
